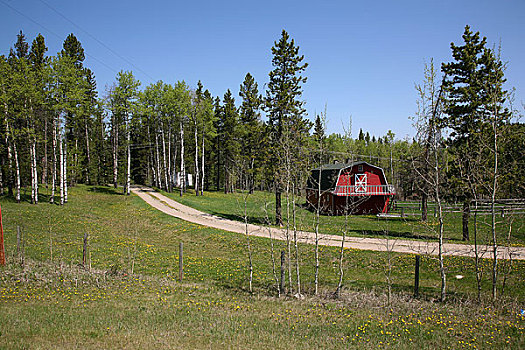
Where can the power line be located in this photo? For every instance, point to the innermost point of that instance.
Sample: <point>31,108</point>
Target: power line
<point>55,34</point>
<point>97,40</point>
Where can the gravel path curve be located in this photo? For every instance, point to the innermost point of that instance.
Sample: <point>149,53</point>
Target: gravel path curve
<point>176,209</point>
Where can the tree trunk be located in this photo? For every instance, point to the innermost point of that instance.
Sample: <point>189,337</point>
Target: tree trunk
<point>196,160</point>
<point>170,169</point>
<point>342,252</point>
<point>182,177</point>
<point>8,141</point>
<point>294,222</point>
<point>157,161</point>
<point>34,173</point>
<point>424,207</point>
<point>88,154</point>
<point>218,179</point>
<point>247,233</point>
<point>278,214</point>
<point>465,219</point>
<point>164,162</point>
<point>115,152</point>
<point>45,163</point>
<point>17,173</point>
<point>65,167</point>
<point>317,214</point>
<point>493,214</point>
<point>54,166</point>
<point>202,163</point>
<point>128,151</point>
<point>31,157</point>
<point>62,168</point>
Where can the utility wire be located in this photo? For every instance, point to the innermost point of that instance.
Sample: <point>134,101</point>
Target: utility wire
<point>55,34</point>
<point>98,41</point>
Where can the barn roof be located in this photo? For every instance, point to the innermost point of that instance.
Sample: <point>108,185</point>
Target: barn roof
<point>330,174</point>
<point>339,166</point>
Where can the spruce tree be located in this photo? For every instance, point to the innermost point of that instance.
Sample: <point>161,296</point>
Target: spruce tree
<point>283,104</point>
<point>466,100</point>
<point>230,140</point>
<point>251,129</point>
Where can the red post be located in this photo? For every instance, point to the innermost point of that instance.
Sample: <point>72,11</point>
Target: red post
<point>2,251</point>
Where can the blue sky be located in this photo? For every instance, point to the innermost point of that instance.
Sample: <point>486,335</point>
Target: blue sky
<point>364,57</point>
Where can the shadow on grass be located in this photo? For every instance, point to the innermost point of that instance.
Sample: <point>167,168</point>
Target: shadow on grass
<point>105,190</point>
<point>25,197</point>
<point>254,220</point>
<point>399,234</point>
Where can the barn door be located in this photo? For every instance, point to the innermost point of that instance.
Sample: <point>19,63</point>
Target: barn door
<point>360,183</point>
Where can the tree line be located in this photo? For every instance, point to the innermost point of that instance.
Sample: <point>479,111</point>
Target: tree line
<point>57,132</point>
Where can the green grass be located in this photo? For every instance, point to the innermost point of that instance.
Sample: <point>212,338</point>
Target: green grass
<point>261,210</point>
<point>55,303</point>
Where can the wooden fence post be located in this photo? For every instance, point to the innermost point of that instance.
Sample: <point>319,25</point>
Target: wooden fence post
<point>283,276</point>
<point>84,250</point>
<point>416,277</point>
<point>181,270</point>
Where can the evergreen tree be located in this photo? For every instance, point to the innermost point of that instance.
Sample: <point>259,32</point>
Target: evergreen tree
<point>250,130</point>
<point>230,140</point>
<point>319,137</point>
<point>21,46</point>
<point>466,100</point>
<point>361,135</point>
<point>73,49</point>
<point>283,104</point>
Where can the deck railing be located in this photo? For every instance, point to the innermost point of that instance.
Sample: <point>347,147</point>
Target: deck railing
<point>368,190</point>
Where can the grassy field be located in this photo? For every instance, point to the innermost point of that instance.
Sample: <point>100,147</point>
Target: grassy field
<point>52,302</point>
<point>261,209</point>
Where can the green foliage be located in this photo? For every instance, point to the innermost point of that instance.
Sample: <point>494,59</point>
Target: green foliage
<point>474,86</point>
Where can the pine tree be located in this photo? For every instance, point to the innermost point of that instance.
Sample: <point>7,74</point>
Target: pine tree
<point>250,130</point>
<point>319,137</point>
<point>73,49</point>
<point>463,86</point>
<point>283,104</point>
<point>230,140</point>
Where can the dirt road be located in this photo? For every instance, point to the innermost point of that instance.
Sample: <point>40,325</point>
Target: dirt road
<point>173,208</point>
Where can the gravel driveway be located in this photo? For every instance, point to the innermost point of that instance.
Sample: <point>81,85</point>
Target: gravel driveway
<point>173,208</point>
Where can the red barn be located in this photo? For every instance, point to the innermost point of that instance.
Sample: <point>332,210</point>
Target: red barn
<point>357,188</point>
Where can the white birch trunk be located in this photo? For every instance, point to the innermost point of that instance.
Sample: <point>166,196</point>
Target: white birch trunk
<point>54,167</point>
<point>65,166</point>
<point>441,224</point>
<point>62,180</point>
<point>493,212</point>
<point>170,170</point>
<point>182,179</point>
<point>202,163</point>
<point>34,173</point>
<point>17,173</point>
<point>9,151</point>
<point>164,162</point>
<point>45,164</point>
<point>115,151</point>
<point>317,216</point>
<point>157,161</point>
<point>196,159</point>
<point>128,150</point>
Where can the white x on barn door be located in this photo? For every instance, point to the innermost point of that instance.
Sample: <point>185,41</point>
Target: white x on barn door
<point>360,183</point>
